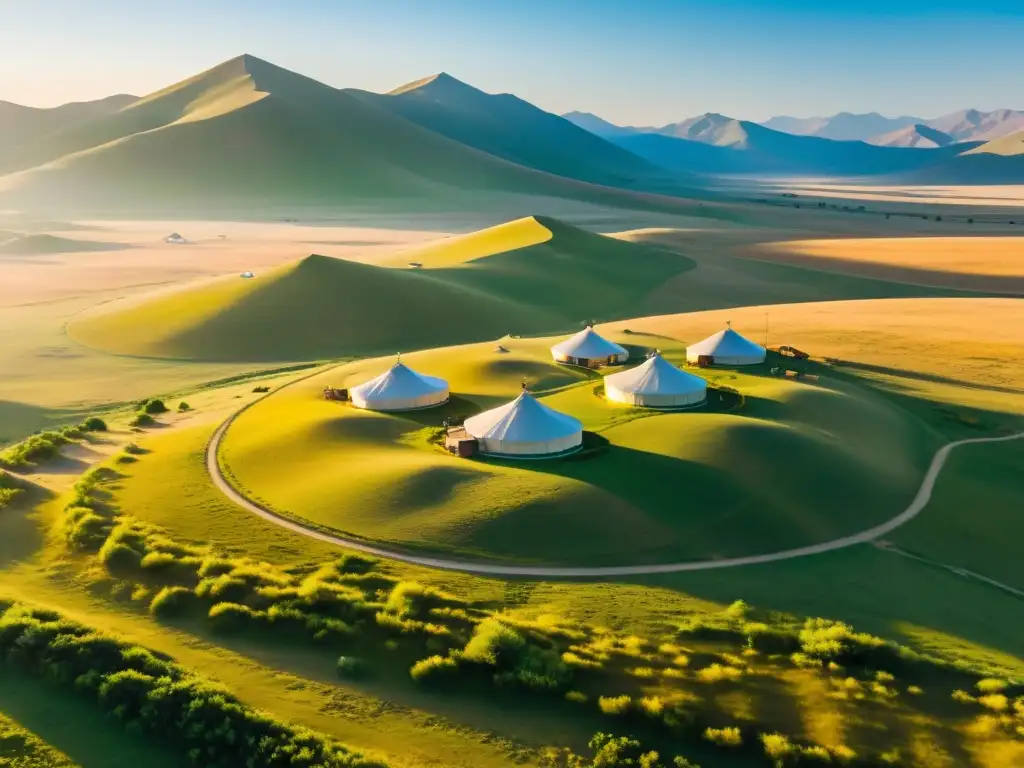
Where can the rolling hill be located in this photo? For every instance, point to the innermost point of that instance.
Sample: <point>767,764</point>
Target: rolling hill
<point>1000,161</point>
<point>249,136</point>
<point>974,125</point>
<point>508,127</point>
<point>38,244</point>
<point>917,135</point>
<point>20,124</point>
<point>844,126</point>
<point>527,276</point>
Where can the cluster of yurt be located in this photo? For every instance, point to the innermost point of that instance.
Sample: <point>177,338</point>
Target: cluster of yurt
<point>526,428</point>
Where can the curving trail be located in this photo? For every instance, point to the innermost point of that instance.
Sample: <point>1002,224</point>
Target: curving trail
<point>920,501</point>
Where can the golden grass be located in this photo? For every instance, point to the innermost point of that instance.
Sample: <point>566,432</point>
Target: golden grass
<point>972,263</point>
<point>967,351</point>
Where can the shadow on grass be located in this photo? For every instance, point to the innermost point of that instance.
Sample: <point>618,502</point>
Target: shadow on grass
<point>77,728</point>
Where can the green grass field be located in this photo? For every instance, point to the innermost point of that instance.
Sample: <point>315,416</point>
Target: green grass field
<point>797,464</point>
<point>530,275</point>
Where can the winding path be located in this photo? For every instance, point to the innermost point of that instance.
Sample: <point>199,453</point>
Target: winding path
<point>924,495</point>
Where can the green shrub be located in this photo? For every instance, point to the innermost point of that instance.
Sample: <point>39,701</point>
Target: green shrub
<point>142,420</point>
<point>85,530</point>
<point>154,697</point>
<point>10,489</point>
<point>515,659</point>
<point>93,424</point>
<point>230,617</point>
<point>184,407</point>
<point>171,601</point>
<point>434,668</point>
<point>134,449</point>
<point>33,450</point>
<point>615,705</point>
<point>351,668</point>
<point>724,737</point>
<point>153,406</point>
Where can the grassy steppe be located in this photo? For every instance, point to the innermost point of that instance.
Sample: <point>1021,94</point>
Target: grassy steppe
<point>979,263</point>
<point>797,464</point>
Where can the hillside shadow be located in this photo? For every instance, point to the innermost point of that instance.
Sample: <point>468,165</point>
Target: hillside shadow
<point>19,420</point>
<point>21,534</point>
<point>77,728</point>
<point>933,378</point>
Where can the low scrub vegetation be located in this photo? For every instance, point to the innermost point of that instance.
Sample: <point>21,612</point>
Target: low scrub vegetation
<point>670,686</point>
<point>34,450</point>
<point>10,489</point>
<point>609,751</point>
<point>152,696</point>
<point>23,749</point>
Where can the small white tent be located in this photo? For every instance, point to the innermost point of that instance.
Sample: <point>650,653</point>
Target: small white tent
<point>726,348</point>
<point>655,384</point>
<point>525,428</point>
<point>588,348</point>
<point>400,389</point>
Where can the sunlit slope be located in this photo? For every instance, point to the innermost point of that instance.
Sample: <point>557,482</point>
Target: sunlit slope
<point>506,126</point>
<point>527,276</point>
<point>798,464</point>
<point>250,133</point>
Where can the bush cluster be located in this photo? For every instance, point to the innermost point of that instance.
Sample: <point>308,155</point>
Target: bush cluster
<point>34,450</point>
<point>151,695</point>
<point>9,489</point>
<point>613,752</point>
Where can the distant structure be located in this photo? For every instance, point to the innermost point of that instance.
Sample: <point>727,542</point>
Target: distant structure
<point>725,348</point>
<point>656,383</point>
<point>525,428</point>
<point>400,388</point>
<point>589,349</point>
<point>248,275</point>
<point>175,239</point>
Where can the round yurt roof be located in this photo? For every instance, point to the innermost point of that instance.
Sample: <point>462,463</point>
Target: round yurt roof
<point>524,420</point>
<point>727,344</point>
<point>656,376</point>
<point>399,382</point>
<point>589,345</point>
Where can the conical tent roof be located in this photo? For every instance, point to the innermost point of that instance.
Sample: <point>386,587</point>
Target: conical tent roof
<point>400,388</point>
<point>728,348</point>
<point>589,345</point>
<point>525,426</point>
<point>656,376</point>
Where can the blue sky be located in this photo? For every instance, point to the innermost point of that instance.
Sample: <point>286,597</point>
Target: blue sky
<point>630,61</point>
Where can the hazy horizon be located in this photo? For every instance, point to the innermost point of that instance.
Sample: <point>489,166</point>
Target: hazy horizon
<point>638,66</point>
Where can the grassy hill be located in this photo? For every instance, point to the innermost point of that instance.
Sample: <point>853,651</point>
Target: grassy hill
<point>1000,161</point>
<point>511,128</point>
<point>20,125</point>
<point>526,276</point>
<point>797,464</point>
<point>247,135</point>
<point>41,245</point>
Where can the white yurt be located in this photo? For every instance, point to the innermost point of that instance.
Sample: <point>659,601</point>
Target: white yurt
<point>525,428</point>
<point>588,348</point>
<point>726,348</point>
<point>655,383</point>
<point>400,388</point>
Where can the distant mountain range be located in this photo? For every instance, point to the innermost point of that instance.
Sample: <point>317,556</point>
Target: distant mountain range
<point>717,144</point>
<point>966,125</point>
<point>249,135</point>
